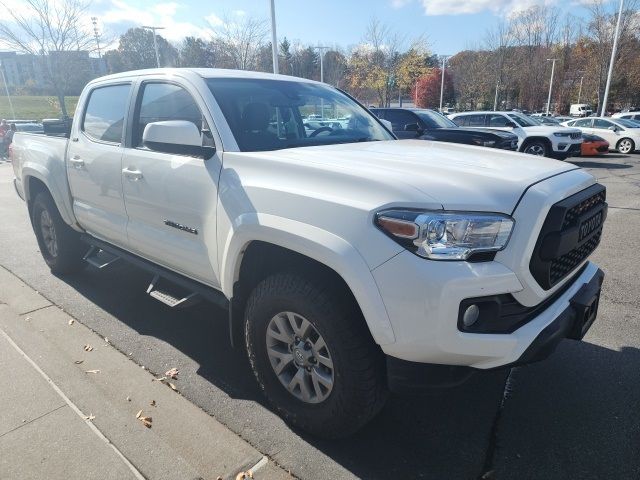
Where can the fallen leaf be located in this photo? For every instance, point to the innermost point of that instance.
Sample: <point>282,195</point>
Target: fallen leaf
<point>88,348</point>
<point>92,371</point>
<point>244,475</point>
<point>78,362</point>
<point>173,373</point>
<point>146,421</point>
<point>219,478</point>
<point>128,399</point>
<point>139,414</point>
<point>71,321</point>
<point>172,386</point>
<point>90,417</point>
<point>106,339</point>
<point>159,379</point>
<point>153,403</point>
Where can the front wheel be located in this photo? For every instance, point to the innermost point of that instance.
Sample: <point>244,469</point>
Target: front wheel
<point>626,145</point>
<point>59,244</point>
<point>313,356</point>
<point>536,147</point>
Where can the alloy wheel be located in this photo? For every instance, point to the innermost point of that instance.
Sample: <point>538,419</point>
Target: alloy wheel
<point>624,146</point>
<point>535,149</point>
<point>300,357</point>
<point>48,233</point>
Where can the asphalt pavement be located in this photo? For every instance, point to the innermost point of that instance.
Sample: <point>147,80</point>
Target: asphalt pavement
<point>571,416</point>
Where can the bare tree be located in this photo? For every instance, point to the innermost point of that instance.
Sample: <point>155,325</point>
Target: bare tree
<point>51,31</point>
<point>240,41</point>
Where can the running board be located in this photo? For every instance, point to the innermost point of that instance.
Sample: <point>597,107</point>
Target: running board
<point>100,258</point>
<point>168,299</point>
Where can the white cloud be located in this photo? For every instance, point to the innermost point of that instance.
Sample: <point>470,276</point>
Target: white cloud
<point>464,7</point>
<point>239,13</point>
<point>214,20</point>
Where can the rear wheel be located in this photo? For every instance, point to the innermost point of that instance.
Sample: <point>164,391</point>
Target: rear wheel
<point>625,145</point>
<point>536,147</point>
<point>313,356</point>
<point>59,244</point>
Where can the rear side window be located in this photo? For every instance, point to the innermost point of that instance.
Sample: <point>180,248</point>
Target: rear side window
<point>475,121</point>
<point>585,122</point>
<point>400,118</point>
<point>105,112</point>
<point>164,101</point>
<point>498,121</point>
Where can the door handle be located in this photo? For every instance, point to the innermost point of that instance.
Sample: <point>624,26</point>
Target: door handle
<point>76,161</point>
<point>134,175</point>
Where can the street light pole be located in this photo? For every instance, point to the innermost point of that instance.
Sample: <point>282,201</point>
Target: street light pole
<point>444,60</point>
<point>580,89</point>
<point>155,41</point>
<point>6,89</point>
<point>495,100</point>
<point>611,62</point>
<point>322,50</point>
<point>274,37</point>
<point>553,69</point>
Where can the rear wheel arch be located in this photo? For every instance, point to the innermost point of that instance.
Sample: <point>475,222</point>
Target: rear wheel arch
<point>33,186</point>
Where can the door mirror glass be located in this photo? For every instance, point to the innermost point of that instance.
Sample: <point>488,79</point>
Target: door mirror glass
<point>412,127</point>
<point>179,137</point>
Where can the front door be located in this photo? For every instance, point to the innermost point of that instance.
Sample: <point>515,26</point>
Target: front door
<point>602,127</point>
<point>94,163</point>
<point>170,198</point>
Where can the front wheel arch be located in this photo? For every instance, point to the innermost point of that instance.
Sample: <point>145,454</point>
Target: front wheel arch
<point>538,140</point>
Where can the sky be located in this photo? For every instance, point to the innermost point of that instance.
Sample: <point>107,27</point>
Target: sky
<point>449,26</point>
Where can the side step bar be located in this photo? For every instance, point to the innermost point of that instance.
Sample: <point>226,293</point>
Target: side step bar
<point>168,299</point>
<point>102,254</point>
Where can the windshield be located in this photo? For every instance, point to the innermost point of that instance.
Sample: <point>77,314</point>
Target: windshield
<point>523,120</point>
<point>434,120</point>
<point>268,114</point>
<point>628,123</point>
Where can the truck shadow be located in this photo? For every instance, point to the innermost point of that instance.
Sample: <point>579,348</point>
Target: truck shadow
<point>571,415</point>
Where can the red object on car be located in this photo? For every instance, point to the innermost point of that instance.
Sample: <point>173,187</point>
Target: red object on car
<point>593,145</point>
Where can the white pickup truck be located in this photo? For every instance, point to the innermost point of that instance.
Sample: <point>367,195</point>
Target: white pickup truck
<point>351,263</point>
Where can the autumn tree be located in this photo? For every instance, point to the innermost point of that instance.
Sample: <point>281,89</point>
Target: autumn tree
<point>428,89</point>
<point>413,64</point>
<point>195,52</point>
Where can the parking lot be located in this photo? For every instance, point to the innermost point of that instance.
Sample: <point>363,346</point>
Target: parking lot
<point>571,416</point>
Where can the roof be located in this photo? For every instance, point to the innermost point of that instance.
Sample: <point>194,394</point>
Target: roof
<point>203,73</point>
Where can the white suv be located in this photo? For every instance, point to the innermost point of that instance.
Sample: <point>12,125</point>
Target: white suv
<point>534,138</point>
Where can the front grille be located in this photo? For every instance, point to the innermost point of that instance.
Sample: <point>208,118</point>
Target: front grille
<point>570,233</point>
<point>564,264</point>
<point>573,214</point>
<point>576,135</point>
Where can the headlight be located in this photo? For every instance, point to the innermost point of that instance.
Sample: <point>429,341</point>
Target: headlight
<point>446,235</point>
<point>562,134</point>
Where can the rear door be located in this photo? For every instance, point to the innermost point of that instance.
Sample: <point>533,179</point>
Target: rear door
<point>171,198</point>
<point>94,163</point>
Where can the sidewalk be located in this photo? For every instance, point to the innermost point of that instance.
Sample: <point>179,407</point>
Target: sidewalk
<point>70,412</point>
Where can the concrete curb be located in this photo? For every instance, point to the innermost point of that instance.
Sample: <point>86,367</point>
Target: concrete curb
<point>184,442</point>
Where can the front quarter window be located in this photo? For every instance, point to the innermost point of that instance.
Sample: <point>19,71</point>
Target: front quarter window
<point>266,114</point>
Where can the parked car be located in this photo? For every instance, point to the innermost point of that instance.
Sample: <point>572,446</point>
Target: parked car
<point>430,125</point>
<point>349,263</point>
<point>593,145</point>
<point>627,115</point>
<point>580,110</point>
<point>622,135</point>
<point>536,139</point>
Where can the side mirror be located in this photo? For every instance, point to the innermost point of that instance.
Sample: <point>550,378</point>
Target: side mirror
<point>511,125</point>
<point>176,137</point>
<point>613,128</point>
<point>412,127</point>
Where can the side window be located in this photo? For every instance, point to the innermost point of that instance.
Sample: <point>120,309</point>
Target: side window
<point>461,120</point>
<point>104,116</point>
<point>602,124</point>
<point>584,123</point>
<point>498,120</point>
<point>400,118</point>
<point>161,102</point>
<point>475,121</point>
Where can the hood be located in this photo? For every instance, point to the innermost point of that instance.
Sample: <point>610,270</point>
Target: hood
<point>547,129</point>
<point>453,176</point>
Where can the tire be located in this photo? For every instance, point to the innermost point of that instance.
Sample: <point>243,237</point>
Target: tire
<point>625,145</point>
<point>358,390</point>
<point>59,244</point>
<point>539,148</point>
